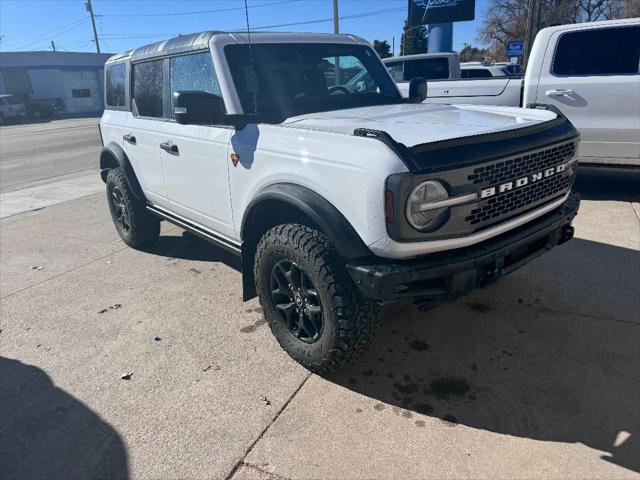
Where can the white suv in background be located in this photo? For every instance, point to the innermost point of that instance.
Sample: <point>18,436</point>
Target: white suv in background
<point>339,196</point>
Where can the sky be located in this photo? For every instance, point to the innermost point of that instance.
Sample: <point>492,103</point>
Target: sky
<point>27,25</point>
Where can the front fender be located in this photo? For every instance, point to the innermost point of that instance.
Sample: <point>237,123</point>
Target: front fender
<point>113,156</point>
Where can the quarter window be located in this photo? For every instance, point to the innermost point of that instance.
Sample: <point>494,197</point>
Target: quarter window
<point>604,51</point>
<point>193,72</point>
<point>115,85</point>
<point>147,88</point>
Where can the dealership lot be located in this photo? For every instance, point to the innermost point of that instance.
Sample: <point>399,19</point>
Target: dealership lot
<point>535,376</point>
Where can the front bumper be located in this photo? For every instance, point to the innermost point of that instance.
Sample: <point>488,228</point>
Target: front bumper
<point>444,276</point>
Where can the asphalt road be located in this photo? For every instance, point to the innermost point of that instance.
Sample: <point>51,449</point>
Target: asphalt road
<point>38,153</point>
<point>535,376</point>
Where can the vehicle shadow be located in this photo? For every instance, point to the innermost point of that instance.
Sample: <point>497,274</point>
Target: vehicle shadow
<point>604,185</point>
<point>188,246</point>
<point>46,433</point>
<point>517,366</point>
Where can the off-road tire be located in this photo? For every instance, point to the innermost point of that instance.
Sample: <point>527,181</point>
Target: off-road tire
<point>350,321</point>
<point>143,228</point>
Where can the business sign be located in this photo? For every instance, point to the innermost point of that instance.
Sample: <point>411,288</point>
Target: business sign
<point>515,48</point>
<point>440,11</point>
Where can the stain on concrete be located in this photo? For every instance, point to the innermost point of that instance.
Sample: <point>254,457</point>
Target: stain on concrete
<point>195,270</point>
<point>479,307</point>
<point>254,326</point>
<point>450,420</point>
<point>378,407</point>
<point>420,423</point>
<point>419,346</point>
<point>406,389</point>
<point>446,387</point>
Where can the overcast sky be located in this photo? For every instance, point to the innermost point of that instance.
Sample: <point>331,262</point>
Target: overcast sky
<point>126,24</point>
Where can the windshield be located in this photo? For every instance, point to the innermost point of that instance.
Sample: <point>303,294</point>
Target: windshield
<point>294,79</point>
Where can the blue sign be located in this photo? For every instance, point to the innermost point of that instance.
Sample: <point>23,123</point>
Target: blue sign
<point>515,48</point>
<point>440,11</point>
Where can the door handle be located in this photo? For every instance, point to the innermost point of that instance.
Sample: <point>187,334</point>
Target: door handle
<point>559,93</point>
<point>129,138</point>
<point>170,147</point>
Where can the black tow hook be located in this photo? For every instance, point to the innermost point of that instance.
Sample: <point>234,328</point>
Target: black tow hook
<point>566,235</point>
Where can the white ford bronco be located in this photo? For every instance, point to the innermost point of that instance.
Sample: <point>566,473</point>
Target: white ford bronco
<point>338,195</point>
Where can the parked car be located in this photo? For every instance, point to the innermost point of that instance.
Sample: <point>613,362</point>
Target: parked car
<point>11,109</point>
<point>588,71</point>
<point>43,107</point>
<point>336,200</point>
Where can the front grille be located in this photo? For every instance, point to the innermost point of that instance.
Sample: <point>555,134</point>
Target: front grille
<point>521,166</point>
<point>504,205</point>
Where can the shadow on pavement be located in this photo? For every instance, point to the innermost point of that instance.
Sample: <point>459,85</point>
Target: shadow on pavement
<point>604,185</point>
<point>46,433</point>
<point>522,368</point>
<point>191,247</point>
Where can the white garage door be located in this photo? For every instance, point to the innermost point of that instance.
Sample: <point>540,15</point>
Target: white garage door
<point>82,91</point>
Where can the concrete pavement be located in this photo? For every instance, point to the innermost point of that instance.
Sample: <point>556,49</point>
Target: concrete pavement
<point>533,377</point>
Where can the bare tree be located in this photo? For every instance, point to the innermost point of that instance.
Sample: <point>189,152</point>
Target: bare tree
<point>506,20</point>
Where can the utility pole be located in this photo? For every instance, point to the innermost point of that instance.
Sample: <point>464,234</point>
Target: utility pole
<point>93,22</point>
<point>393,48</point>
<point>336,30</point>
<point>53,46</point>
<point>529,36</point>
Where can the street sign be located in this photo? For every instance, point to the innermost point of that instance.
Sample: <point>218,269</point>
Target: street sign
<point>515,48</point>
<point>440,11</point>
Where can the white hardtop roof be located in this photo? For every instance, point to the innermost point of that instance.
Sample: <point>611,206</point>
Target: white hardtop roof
<point>586,25</point>
<point>200,41</point>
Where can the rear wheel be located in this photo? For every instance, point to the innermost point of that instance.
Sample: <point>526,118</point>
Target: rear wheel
<point>135,225</point>
<point>314,310</point>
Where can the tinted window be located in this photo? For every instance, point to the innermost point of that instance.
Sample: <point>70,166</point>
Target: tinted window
<point>604,51</point>
<point>293,79</point>
<point>147,88</point>
<point>193,72</point>
<point>115,85</point>
<point>475,73</point>
<point>427,68</point>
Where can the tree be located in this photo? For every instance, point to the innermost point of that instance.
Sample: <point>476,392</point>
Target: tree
<point>506,20</point>
<point>414,39</point>
<point>473,54</point>
<point>383,48</point>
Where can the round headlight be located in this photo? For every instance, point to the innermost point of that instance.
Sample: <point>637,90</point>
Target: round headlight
<point>421,213</point>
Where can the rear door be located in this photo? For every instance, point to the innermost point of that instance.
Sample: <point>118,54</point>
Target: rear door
<point>197,161</point>
<point>593,78</point>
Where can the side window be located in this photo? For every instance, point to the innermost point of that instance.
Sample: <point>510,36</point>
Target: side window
<point>475,73</point>
<point>428,68</point>
<point>147,88</point>
<point>193,72</point>
<point>603,51</point>
<point>115,85</point>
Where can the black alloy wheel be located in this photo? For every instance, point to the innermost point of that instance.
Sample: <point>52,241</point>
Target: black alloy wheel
<point>296,298</point>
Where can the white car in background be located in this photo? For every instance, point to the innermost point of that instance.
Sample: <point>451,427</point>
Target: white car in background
<point>11,108</point>
<point>588,71</point>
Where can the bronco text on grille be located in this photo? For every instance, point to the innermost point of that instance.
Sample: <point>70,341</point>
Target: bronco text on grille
<point>513,184</point>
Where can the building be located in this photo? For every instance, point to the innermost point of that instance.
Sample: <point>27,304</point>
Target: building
<point>76,78</point>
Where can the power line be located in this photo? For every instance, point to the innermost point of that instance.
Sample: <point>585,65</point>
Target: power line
<point>199,12</point>
<point>264,27</point>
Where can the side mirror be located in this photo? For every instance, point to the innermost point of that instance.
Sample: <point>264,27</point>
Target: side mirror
<point>417,90</point>
<point>195,107</point>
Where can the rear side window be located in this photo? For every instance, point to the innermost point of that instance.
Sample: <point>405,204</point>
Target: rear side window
<point>427,68</point>
<point>475,73</point>
<point>193,72</point>
<point>147,88</point>
<point>604,51</point>
<point>115,85</point>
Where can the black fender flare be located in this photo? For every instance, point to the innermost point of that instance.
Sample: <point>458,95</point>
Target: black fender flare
<point>319,210</point>
<point>113,156</point>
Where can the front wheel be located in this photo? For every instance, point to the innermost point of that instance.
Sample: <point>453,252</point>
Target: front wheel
<point>314,310</point>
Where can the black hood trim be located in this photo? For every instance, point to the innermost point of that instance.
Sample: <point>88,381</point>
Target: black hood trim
<point>466,151</point>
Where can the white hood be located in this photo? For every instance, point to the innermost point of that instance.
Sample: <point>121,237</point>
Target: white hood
<point>412,124</point>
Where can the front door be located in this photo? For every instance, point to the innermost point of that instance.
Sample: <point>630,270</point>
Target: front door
<point>593,80</point>
<point>196,157</point>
